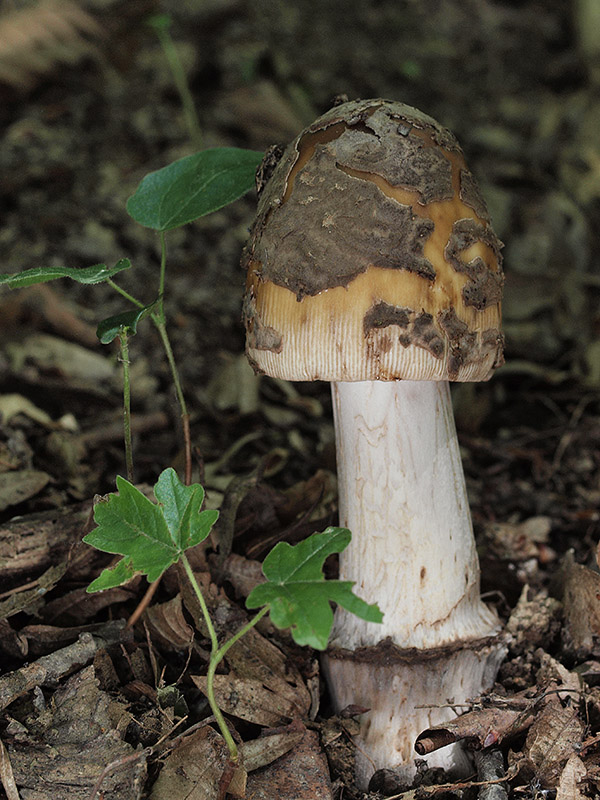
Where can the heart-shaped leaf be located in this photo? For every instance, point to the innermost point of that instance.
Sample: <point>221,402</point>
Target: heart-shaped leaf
<point>193,187</point>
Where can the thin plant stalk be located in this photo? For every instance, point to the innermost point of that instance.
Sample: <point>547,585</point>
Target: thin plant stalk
<point>161,24</point>
<point>217,654</point>
<point>124,293</point>
<point>185,417</point>
<point>124,344</point>
<point>159,319</point>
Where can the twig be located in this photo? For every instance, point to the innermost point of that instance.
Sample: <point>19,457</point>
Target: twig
<point>140,423</point>
<point>6,775</point>
<point>490,767</point>
<point>118,764</point>
<point>143,604</point>
<point>569,433</point>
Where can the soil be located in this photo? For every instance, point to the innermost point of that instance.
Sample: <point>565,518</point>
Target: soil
<point>88,106</point>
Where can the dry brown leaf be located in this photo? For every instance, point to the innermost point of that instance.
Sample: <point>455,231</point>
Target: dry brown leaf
<point>194,769</point>
<point>254,657</point>
<point>79,606</point>
<point>581,600</point>
<point>34,40</point>
<point>234,386</point>
<point>31,597</point>
<point>16,487</point>
<point>248,699</point>
<point>259,752</point>
<point>533,621</point>
<point>243,573</point>
<point>518,541</point>
<point>71,361</point>
<point>301,774</point>
<point>29,545</point>
<point>168,626</point>
<point>12,643</point>
<point>72,739</point>
<point>571,779</point>
<point>557,730</point>
<point>13,405</point>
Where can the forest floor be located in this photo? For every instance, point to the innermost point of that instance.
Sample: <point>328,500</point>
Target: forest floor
<point>87,108</point>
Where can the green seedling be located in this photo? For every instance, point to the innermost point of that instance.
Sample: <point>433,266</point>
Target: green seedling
<point>149,536</point>
<point>161,24</point>
<point>168,198</point>
<point>153,536</point>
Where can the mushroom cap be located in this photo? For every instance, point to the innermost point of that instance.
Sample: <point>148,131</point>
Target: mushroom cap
<point>372,256</point>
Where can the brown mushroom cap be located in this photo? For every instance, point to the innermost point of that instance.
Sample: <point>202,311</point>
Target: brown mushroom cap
<point>372,256</point>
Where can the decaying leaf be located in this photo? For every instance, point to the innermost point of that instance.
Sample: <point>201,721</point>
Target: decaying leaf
<point>49,670</point>
<point>16,487</point>
<point>168,626</point>
<point>557,731</point>
<point>243,573</point>
<point>31,544</point>
<point>194,769</point>
<point>62,751</point>
<point>30,598</point>
<point>571,780</point>
<point>11,405</point>
<point>581,600</point>
<point>49,353</point>
<point>248,699</point>
<point>518,541</point>
<point>255,658</point>
<point>534,621</point>
<point>235,386</point>
<point>13,643</point>
<point>269,747</point>
<point>301,774</point>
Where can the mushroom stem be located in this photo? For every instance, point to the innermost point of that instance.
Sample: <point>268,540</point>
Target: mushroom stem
<point>403,496</point>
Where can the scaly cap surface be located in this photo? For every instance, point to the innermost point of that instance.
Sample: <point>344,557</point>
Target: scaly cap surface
<point>372,256</point>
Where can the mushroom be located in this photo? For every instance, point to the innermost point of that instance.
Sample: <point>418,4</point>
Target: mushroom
<point>372,264</point>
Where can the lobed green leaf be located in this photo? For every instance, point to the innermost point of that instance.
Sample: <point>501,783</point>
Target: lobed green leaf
<point>193,187</point>
<point>298,594</point>
<point>151,536</point>
<point>109,578</point>
<point>180,505</point>
<point>87,275</point>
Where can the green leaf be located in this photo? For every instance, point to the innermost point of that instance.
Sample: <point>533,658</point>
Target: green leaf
<point>88,275</point>
<point>193,187</point>
<point>181,506</point>
<point>298,594</point>
<point>110,327</point>
<point>121,573</point>
<point>151,536</point>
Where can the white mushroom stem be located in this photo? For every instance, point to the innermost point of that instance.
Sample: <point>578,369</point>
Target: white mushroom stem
<point>403,496</point>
